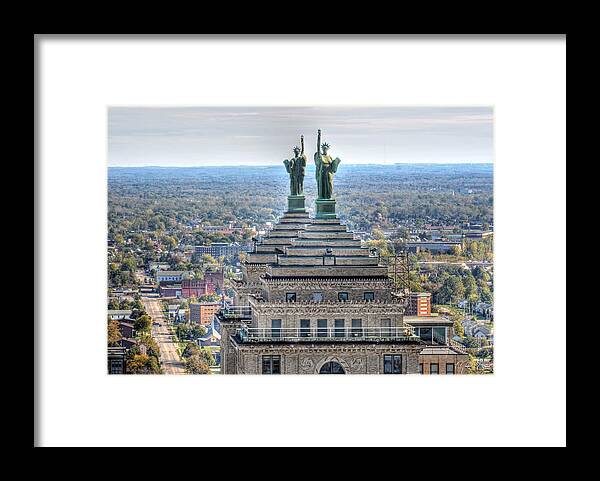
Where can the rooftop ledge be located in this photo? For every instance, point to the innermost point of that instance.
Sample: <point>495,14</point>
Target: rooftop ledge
<point>330,303</point>
<point>271,279</point>
<point>311,335</point>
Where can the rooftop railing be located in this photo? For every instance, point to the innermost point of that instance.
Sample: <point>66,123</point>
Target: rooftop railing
<point>353,334</point>
<point>236,312</point>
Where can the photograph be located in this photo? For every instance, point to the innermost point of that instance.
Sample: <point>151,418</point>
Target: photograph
<point>221,219</point>
<point>300,240</point>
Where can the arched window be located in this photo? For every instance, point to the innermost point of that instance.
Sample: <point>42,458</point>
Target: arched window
<point>332,367</point>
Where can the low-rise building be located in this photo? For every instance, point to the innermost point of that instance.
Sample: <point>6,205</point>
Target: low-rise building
<point>173,311</point>
<point>203,312</point>
<point>170,290</point>
<point>158,266</point>
<point>479,234</point>
<point>126,328</point>
<point>212,282</point>
<point>171,276</point>
<point>117,360</point>
<point>218,249</point>
<point>433,246</point>
<point>118,314</point>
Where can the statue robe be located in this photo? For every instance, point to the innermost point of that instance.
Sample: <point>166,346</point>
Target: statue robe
<point>325,168</point>
<point>296,167</point>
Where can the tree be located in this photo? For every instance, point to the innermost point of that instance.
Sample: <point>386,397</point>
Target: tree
<point>191,348</point>
<point>485,292</point>
<point>471,291</point>
<point>142,323</point>
<point>456,289</point>
<point>119,239</point>
<point>152,348</point>
<point>143,364</point>
<point>170,242</point>
<point>196,364</point>
<point>208,356</point>
<point>381,245</point>
<point>472,368</point>
<point>129,264</point>
<point>114,333</point>
<point>210,260</point>
<point>458,328</point>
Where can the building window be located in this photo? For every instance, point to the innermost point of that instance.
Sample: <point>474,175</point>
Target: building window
<point>271,364</point>
<point>321,327</point>
<point>332,367</point>
<point>439,335</point>
<point>357,328</point>
<point>425,334</point>
<point>434,368</point>
<point>290,297</point>
<point>369,296</point>
<point>386,325</point>
<point>116,366</point>
<point>449,368</point>
<point>342,296</point>
<point>317,297</point>
<point>392,364</point>
<point>421,368</point>
<point>304,327</point>
<point>339,328</point>
<point>276,328</point>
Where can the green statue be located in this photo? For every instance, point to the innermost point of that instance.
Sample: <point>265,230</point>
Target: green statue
<point>296,167</point>
<point>325,168</point>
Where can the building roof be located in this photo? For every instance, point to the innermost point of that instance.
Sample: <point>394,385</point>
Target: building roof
<point>170,273</point>
<point>428,320</point>
<point>438,350</point>
<point>119,312</point>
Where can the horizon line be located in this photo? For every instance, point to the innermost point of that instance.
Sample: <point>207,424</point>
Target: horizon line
<point>277,165</point>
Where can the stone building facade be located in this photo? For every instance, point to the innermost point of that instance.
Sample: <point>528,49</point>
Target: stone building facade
<point>313,300</point>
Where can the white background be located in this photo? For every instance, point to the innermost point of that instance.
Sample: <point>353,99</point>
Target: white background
<point>523,403</point>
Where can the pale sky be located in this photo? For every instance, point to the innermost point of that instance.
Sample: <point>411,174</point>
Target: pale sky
<point>196,136</point>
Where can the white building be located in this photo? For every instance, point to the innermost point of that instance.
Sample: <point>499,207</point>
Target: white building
<point>117,314</point>
<point>171,276</point>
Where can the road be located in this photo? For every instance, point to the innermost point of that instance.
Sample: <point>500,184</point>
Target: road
<point>169,357</point>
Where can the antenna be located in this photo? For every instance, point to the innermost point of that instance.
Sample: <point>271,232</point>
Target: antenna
<point>401,275</point>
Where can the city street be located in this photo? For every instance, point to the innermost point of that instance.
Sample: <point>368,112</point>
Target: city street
<point>170,359</point>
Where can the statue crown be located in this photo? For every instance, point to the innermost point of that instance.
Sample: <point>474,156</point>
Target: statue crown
<point>326,145</point>
<point>296,148</point>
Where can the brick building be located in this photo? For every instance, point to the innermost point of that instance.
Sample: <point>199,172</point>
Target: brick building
<point>211,284</point>
<point>419,305</point>
<point>202,313</point>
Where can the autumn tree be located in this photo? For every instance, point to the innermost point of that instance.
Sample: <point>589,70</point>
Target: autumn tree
<point>191,348</point>
<point>196,364</point>
<point>114,333</point>
<point>208,356</point>
<point>143,364</point>
<point>152,348</point>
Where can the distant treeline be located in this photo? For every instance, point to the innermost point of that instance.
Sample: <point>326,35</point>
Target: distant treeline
<point>367,195</point>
